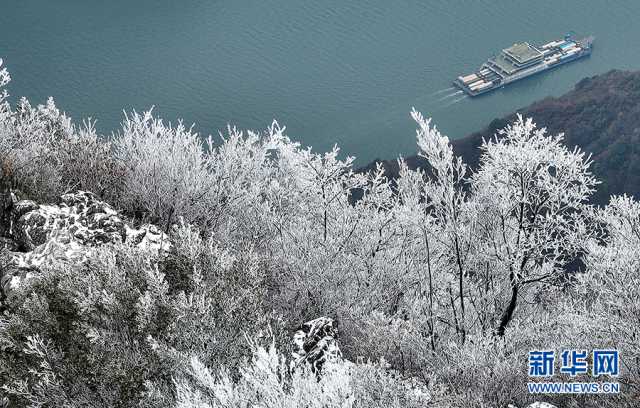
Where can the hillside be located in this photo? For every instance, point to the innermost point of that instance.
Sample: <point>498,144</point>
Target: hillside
<point>153,270</point>
<point>601,115</point>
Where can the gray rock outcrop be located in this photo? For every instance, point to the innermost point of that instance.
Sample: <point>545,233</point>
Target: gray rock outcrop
<point>64,232</point>
<point>316,342</point>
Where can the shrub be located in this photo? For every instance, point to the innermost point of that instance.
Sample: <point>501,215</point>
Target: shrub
<point>266,381</point>
<point>102,332</point>
<point>44,155</point>
<point>165,169</point>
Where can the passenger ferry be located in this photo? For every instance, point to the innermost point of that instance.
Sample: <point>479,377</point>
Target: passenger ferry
<point>522,60</point>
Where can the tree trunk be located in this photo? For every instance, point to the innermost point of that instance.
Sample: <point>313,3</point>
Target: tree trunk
<point>460,289</point>
<point>6,204</point>
<point>508,313</point>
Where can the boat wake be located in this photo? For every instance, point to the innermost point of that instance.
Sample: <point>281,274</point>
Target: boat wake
<point>452,95</point>
<point>443,91</point>
<point>456,101</point>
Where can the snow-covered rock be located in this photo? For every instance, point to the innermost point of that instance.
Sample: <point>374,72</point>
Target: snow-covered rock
<point>316,342</point>
<point>536,404</point>
<point>148,237</point>
<point>66,232</point>
<point>90,221</point>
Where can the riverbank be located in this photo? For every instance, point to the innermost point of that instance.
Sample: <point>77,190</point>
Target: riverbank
<point>601,115</point>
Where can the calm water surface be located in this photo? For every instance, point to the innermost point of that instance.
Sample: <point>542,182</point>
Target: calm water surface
<point>332,71</point>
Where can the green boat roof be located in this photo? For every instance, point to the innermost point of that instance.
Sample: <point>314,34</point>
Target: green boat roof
<point>522,52</point>
<point>505,65</point>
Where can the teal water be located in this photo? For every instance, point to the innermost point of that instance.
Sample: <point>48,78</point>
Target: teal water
<point>332,71</point>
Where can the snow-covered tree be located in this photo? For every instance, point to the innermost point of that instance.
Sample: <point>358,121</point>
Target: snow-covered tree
<point>531,194</point>
<point>450,210</point>
<point>43,154</point>
<point>165,169</point>
<point>610,287</point>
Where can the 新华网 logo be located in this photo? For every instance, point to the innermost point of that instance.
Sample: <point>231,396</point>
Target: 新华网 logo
<point>574,362</point>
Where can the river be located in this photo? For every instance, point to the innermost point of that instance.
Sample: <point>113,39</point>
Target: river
<point>333,71</point>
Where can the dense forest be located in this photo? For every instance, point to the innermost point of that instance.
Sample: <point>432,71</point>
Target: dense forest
<point>601,116</point>
<point>158,268</point>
